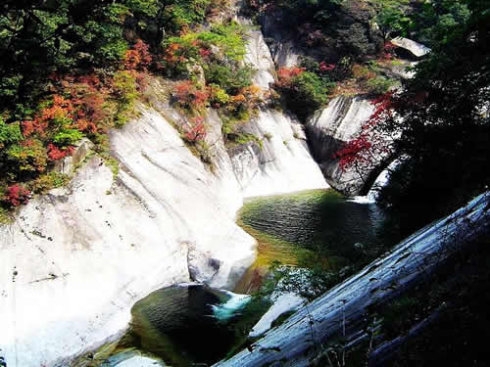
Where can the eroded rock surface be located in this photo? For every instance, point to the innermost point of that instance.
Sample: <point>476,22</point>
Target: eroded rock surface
<point>340,121</point>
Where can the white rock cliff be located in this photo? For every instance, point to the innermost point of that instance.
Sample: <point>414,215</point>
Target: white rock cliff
<point>74,261</point>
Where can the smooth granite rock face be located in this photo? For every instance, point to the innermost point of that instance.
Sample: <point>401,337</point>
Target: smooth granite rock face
<point>75,261</point>
<point>340,121</point>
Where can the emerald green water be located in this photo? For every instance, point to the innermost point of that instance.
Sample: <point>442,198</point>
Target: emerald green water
<point>323,222</point>
<point>179,324</point>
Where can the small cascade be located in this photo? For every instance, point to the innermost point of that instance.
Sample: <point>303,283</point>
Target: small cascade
<point>231,307</point>
<point>379,183</point>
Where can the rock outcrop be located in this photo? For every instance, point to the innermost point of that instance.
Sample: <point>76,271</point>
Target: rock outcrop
<point>339,312</point>
<point>416,49</point>
<point>74,261</point>
<point>340,121</point>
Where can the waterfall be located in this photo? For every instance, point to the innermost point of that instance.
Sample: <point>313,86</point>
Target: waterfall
<point>380,182</point>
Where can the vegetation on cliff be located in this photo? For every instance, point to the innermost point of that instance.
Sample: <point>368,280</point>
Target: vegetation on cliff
<point>439,123</point>
<point>72,69</point>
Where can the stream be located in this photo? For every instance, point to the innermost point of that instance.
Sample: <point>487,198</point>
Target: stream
<point>193,324</point>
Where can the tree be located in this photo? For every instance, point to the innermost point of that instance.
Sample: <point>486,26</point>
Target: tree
<point>442,124</point>
<point>391,16</point>
<point>304,91</point>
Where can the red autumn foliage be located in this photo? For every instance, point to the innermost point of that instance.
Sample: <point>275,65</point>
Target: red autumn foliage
<point>77,102</point>
<point>369,143</point>
<point>17,195</point>
<point>30,127</point>
<point>60,108</point>
<point>203,52</point>
<point>195,130</point>
<point>326,67</point>
<point>190,96</point>
<point>171,53</point>
<point>55,153</point>
<point>352,150</point>
<point>388,46</point>
<point>88,95</point>
<point>286,74</point>
<point>86,126</point>
<point>91,80</point>
<point>142,80</point>
<point>383,110</point>
<point>388,50</point>
<point>139,58</point>
<point>91,107</point>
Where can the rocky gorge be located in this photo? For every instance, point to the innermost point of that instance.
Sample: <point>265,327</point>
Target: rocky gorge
<point>76,260</point>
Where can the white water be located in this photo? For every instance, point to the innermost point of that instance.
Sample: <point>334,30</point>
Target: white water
<point>229,309</point>
<point>139,361</point>
<point>259,56</point>
<point>380,182</point>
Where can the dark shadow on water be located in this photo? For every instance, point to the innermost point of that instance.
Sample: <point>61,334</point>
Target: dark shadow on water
<point>177,324</point>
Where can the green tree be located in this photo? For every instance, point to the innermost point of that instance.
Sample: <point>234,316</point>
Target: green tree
<point>392,16</point>
<point>445,125</point>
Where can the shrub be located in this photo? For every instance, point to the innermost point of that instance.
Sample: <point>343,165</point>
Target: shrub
<point>229,38</point>
<point>231,79</point>
<point>138,58</point>
<point>124,84</point>
<point>379,85</point>
<point>195,130</point>
<point>217,95</point>
<point>180,14</point>
<point>16,195</point>
<point>29,156</point>
<point>49,181</point>
<point>67,137</point>
<point>304,91</point>
<point>55,153</point>
<point>223,43</point>
<point>362,73</point>
<point>9,133</point>
<point>191,96</point>
<point>180,52</point>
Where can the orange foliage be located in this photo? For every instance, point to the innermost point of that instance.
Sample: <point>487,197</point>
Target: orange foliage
<point>139,58</point>
<point>253,94</point>
<point>286,74</point>
<point>190,96</point>
<point>239,98</point>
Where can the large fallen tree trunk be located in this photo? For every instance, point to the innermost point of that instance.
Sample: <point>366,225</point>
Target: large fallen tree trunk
<point>340,312</point>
